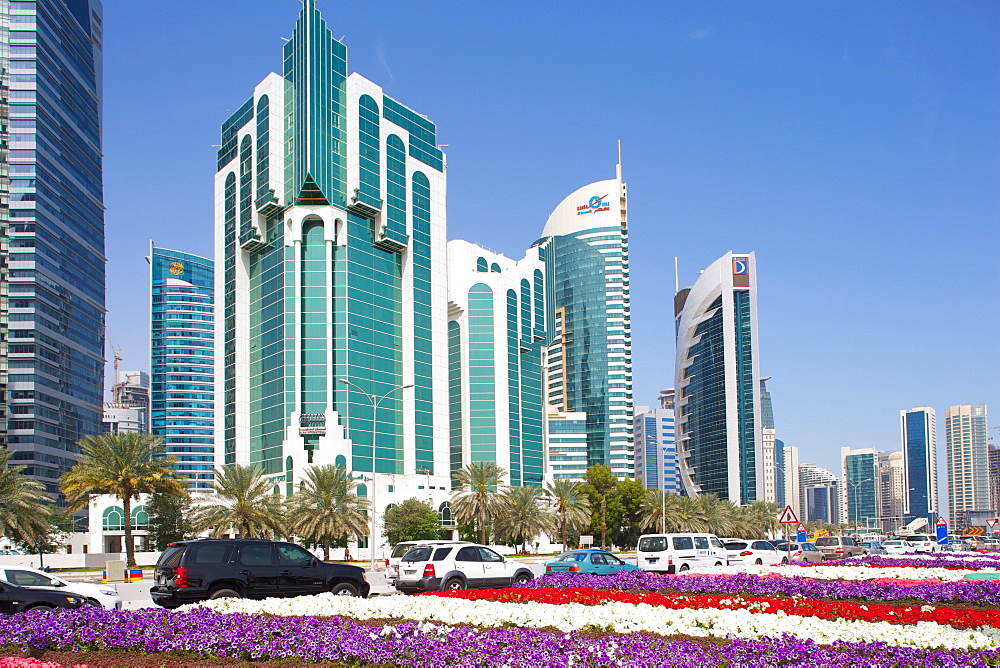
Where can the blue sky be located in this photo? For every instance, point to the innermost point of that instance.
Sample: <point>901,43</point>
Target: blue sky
<point>855,146</point>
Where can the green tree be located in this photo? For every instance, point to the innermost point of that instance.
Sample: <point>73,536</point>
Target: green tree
<point>628,497</point>
<point>326,507</point>
<point>690,515</point>
<point>244,502</point>
<point>169,518</point>
<point>660,511</point>
<point>24,505</point>
<point>600,486</point>
<point>411,520</point>
<point>525,518</point>
<point>480,495</point>
<point>123,466</point>
<point>761,518</point>
<point>720,516</point>
<point>568,505</point>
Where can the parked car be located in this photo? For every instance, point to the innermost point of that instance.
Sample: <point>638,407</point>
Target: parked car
<point>593,561</point>
<point>897,547</point>
<point>20,599</point>
<point>956,545</point>
<point>801,553</point>
<point>457,565</point>
<point>922,542</point>
<point>198,570</point>
<point>740,552</point>
<point>839,547</point>
<point>392,563</point>
<point>104,595</point>
<point>679,552</point>
<point>873,547</point>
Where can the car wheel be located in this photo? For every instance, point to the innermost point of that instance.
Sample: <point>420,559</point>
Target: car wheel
<point>759,562</point>
<point>225,592</point>
<point>683,568</point>
<point>344,589</point>
<point>718,563</point>
<point>523,578</point>
<point>454,584</point>
<point>40,606</point>
<point>784,560</point>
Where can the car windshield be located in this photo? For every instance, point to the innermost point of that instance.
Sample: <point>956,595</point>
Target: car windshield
<point>400,550</point>
<point>736,545</point>
<point>171,556</point>
<point>652,544</point>
<point>421,553</point>
<point>572,556</point>
<point>827,541</point>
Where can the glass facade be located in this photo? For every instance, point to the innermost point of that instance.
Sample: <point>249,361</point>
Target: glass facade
<point>919,465</point>
<point>861,482</point>
<point>182,393</point>
<point>655,449</point>
<point>56,278</point>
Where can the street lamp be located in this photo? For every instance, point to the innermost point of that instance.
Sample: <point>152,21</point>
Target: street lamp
<point>857,516</point>
<point>375,403</point>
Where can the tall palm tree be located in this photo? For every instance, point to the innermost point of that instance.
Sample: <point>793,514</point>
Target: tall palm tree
<point>569,505</point>
<point>480,496</point>
<point>721,516</point>
<point>762,517</point>
<point>244,501</point>
<point>24,505</point>
<point>691,515</point>
<point>124,466</point>
<point>660,511</point>
<point>326,506</point>
<point>525,518</point>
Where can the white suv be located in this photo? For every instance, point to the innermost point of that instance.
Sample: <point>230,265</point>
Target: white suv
<point>457,565</point>
<point>392,563</point>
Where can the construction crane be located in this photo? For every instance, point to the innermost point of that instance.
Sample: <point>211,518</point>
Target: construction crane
<point>116,352</point>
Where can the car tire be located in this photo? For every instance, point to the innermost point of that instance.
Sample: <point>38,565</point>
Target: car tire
<point>40,606</point>
<point>718,563</point>
<point>784,560</point>
<point>454,584</point>
<point>224,592</point>
<point>684,567</point>
<point>759,562</point>
<point>344,589</point>
<point>523,578</point>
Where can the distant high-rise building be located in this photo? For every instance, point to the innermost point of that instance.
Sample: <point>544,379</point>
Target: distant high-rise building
<point>890,467</point>
<point>182,349</point>
<point>719,428</point>
<point>819,494</point>
<point>124,420</point>
<point>54,273</point>
<point>968,461</point>
<point>791,469</point>
<point>994,457</point>
<point>861,504</point>
<point>330,238</point>
<point>567,444</point>
<point>770,454</point>
<point>655,448</point>
<point>919,436</point>
<point>496,338</point>
<point>590,359</point>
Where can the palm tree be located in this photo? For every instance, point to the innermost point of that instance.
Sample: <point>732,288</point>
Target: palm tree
<point>721,516</point>
<point>525,518</point>
<point>24,505</point>
<point>660,511</point>
<point>326,506</point>
<point>762,517</point>
<point>124,466</point>
<point>480,496</point>
<point>569,505</point>
<point>244,501</point>
<point>691,516</point>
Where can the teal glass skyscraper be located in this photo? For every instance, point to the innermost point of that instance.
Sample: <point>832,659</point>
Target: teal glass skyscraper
<point>590,359</point>
<point>182,365</point>
<point>330,247</point>
<point>55,274</point>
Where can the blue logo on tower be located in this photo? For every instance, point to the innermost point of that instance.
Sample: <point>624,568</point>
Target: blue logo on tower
<point>594,205</point>
<point>739,267</point>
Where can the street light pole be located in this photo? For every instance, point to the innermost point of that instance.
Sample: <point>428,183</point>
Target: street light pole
<point>375,401</point>
<point>857,514</point>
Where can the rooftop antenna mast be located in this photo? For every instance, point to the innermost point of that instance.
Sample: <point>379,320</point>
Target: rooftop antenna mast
<point>677,277</point>
<point>618,167</point>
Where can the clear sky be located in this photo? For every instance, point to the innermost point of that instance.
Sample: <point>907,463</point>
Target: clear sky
<point>855,146</point>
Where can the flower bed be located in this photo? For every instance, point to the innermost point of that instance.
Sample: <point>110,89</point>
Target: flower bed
<point>960,618</point>
<point>929,561</point>
<point>747,584</point>
<point>839,571</point>
<point>256,637</point>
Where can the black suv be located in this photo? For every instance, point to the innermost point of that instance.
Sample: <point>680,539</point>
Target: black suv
<point>195,570</point>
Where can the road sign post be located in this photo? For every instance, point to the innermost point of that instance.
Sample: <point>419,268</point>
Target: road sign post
<point>942,531</point>
<point>800,535</point>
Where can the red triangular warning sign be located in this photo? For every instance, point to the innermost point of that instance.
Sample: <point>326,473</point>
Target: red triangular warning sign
<point>788,516</point>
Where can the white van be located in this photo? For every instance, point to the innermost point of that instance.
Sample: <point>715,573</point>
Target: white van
<point>678,552</point>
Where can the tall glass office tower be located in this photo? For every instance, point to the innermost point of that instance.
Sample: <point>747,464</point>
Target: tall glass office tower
<point>919,434</point>
<point>862,500</point>
<point>182,348</point>
<point>56,273</point>
<point>590,359</point>
<point>718,382</point>
<point>330,246</point>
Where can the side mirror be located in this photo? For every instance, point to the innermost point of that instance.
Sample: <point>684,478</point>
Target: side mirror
<point>56,583</point>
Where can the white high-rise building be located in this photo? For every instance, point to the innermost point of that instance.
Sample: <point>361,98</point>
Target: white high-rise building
<point>590,359</point>
<point>967,452</point>
<point>819,494</point>
<point>791,469</point>
<point>655,448</point>
<point>496,342</point>
<point>719,417</point>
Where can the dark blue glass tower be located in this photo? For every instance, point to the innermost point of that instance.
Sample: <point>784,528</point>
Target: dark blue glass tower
<point>56,234</point>
<point>182,394</point>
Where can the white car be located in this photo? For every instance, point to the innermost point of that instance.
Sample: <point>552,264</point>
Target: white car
<point>457,565</point>
<point>741,552</point>
<point>923,542</point>
<point>897,547</point>
<point>679,552</point>
<point>104,595</point>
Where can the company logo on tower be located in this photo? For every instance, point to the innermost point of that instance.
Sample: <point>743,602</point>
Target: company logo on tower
<point>739,267</point>
<point>594,205</point>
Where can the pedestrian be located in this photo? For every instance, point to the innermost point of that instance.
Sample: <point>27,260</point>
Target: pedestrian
<point>347,554</point>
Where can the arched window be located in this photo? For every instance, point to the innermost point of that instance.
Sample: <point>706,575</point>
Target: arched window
<point>362,491</point>
<point>340,461</point>
<point>369,191</point>
<point>140,518</point>
<point>482,264</point>
<point>114,519</point>
<point>495,268</point>
<point>445,511</point>
<point>263,190</point>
